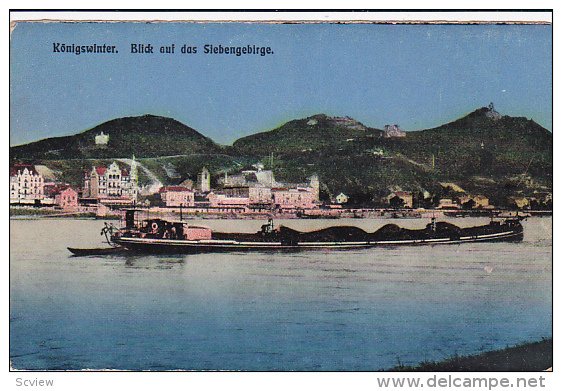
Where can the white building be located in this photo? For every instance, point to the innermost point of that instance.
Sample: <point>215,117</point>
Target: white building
<point>102,139</point>
<point>26,184</point>
<point>342,198</point>
<point>112,182</point>
<point>204,181</point>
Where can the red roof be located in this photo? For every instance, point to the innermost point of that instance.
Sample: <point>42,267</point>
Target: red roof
<point>54,189</point>
<point>164,189</point>
<point>20,167</point>
<point>101,170</point>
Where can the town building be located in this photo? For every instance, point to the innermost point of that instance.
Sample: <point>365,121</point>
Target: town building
<point>342,199</point>
<point>447,203</point>
<point>260,195</point>
<point>300,198</point>
<point>111,182</point>
<point>61,195</point>
<point>220,200</point>
<point>237,191</point>
<point>67,198</point>
<point>175,196</point>
<point>26,184</point>
<point>204,181</point>
<point>257,185</point>
<point>250,178</point>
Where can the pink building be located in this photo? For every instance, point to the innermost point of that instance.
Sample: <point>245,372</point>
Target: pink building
<point>223,200</point>
<point>299,198</point>
<point>177,196</point>
<point>260,195</point>
<point>67,198</point>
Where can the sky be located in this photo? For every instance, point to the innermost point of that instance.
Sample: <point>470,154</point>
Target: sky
<point>417,76</point>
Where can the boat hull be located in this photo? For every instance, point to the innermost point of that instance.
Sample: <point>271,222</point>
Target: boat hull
<point>84,252</point>
<point>146,245</point>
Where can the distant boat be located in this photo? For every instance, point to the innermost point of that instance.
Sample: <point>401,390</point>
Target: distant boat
<point>162,236</point>
<point>303,215</point>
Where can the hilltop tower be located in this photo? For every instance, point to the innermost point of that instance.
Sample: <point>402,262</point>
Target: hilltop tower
<point>204,181</point>
<point>492,113</point>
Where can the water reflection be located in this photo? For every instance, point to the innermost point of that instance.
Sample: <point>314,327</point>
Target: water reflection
<point>137,261</point>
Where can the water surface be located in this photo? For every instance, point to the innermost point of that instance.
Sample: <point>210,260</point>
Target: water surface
<point>316,310</point>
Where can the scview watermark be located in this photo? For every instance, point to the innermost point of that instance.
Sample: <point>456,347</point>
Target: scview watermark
<point>21,382</point>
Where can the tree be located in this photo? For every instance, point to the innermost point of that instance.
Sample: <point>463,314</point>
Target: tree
<point>470,204</point>
<point>396,202</point>
<point>534,204</point>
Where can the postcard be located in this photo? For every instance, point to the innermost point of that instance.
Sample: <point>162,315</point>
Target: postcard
<point>281,192</point>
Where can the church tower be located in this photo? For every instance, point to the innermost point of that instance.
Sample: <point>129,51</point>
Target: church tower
<point>134,175</point>
<point>204,181</point>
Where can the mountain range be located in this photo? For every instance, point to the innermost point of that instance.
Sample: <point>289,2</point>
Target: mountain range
<point>483,151</point>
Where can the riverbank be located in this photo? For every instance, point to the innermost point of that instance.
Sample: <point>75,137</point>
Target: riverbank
<point>46,213</point>
<point>214,213</point>
<point>532,356</point>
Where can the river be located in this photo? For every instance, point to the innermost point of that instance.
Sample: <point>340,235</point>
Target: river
<point>314,310</point>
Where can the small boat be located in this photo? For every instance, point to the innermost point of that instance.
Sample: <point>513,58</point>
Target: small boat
<point>111,249</point>
<point>83,252</point>
<point>162,236</point>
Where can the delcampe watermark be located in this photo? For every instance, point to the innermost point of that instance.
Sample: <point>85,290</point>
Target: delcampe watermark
<point>452,381</point>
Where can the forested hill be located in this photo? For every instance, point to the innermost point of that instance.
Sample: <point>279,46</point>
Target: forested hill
<point>145,136</point>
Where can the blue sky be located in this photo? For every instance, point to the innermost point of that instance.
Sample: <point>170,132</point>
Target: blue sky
<point>418,76</point>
